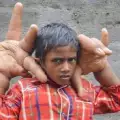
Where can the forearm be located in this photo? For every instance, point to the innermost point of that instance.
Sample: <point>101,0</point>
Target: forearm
<point>10,103</point>
<point>4,84</point>
<point>107,77</point>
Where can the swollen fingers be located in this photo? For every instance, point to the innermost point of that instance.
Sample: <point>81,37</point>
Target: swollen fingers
<point>27,44</point>
<point>30,65</point>
<point>100,52</point>
<point>104,37</point>
<point>107,51</point>
<point>15,26</point>
<point>86,43</point>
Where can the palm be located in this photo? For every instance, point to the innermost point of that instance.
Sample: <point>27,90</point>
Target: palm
<point>94,53</point>
<point>91,59</point>
<point>12,57</point>
<point>91,62</point>
<point>14,53</point>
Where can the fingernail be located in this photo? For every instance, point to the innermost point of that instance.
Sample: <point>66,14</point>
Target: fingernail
<point>107,50</point>
<point>19,4</point>
<point>104,29</point>
<point>81,35</point>
<point>34,26</point>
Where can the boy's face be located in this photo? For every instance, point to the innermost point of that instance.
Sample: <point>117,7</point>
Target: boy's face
<point>60,64</point>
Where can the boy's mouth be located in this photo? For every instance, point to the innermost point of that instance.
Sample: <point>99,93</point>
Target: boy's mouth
<point>65,77</point>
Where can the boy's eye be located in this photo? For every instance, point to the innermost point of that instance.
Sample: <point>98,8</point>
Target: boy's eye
<point>72,60</point>
<point>57,60</point>
<point>61,60</point>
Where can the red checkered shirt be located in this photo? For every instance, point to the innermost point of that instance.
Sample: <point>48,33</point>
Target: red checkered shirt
<point>31,100</point>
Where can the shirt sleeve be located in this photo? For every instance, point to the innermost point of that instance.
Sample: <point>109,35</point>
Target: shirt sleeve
<point>107,99</point>
<point>10,104</point>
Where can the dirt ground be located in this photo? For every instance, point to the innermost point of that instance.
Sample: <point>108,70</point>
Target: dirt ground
<point>85,16</point>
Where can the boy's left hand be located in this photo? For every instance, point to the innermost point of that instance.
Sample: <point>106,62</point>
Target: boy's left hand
<point>93,56</point>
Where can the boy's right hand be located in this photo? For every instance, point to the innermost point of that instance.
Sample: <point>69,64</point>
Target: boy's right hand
<point>14,53</point>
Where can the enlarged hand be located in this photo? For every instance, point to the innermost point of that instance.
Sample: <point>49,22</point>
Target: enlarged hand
<point>93,56</point>
<point>14,54</point>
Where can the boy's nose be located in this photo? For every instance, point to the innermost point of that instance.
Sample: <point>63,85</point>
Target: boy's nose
<point>65,67</point>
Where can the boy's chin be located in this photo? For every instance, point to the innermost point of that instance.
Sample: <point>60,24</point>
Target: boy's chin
<point>64,83</point>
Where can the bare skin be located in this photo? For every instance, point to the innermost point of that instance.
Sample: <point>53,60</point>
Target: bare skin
<point>93,58</point>
<point>14,52</point>
<point>15,59</point>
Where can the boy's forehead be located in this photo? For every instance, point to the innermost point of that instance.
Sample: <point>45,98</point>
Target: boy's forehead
<point>64,51</point>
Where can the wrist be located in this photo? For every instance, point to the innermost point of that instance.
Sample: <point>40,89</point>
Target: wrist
<point>3,91</point>
<point>106,77</point>
<point>105,68</point>
<point>4,83</point>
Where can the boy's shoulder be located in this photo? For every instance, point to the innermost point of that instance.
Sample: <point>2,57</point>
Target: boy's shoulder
<point>86,83</point>
<point>29,83</point>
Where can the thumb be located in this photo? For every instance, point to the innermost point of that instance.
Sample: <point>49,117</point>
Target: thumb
<point>31,65</point>
<point>15,26</point>
<point>105,41</point>
<point>104,37</point>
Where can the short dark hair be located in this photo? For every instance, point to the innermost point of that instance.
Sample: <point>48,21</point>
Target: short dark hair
<point>54,35</point>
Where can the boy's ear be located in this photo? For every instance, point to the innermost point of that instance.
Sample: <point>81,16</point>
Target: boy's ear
<point>37,59</point>
<point>39,62</point>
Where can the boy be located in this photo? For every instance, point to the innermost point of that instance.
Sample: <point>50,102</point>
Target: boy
<point>58,53</point>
